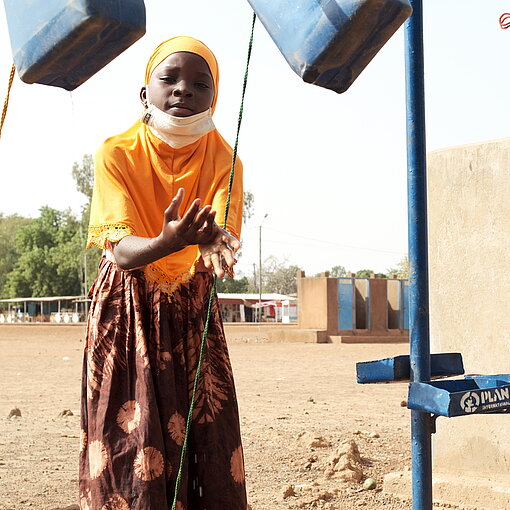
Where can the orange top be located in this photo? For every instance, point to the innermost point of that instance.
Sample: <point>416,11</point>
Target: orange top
<point>137,175</point>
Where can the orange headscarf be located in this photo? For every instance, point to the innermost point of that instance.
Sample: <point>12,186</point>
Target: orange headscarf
<point>137,175</point>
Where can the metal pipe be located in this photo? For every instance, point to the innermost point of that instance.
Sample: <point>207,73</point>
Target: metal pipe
<point>418,256</point>
<point>260,267</point>
<point>260,273</point>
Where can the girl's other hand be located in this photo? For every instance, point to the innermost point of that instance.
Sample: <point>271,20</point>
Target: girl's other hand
<point>219,252</point>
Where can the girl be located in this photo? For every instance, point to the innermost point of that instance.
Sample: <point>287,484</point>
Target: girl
<point>149,302</point>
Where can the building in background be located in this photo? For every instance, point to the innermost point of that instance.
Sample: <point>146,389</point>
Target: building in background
<point>350,309</point>
<point>270,308</point>
<point>58,309</point>
<point>273,308</point>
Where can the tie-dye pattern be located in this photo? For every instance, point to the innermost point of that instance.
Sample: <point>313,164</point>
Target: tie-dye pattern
<point>139,367</point>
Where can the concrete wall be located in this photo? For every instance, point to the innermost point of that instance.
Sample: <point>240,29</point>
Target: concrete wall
<point>264,332</point>
<point>361,307</point>
<point>378,304</point>
<point>318,303</point>
<point>393,303</point>
<point>469,249</point>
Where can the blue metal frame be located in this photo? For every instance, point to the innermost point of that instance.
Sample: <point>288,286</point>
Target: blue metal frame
<point>421,422</point>
<point>398,368</point>
<point>462,397</point>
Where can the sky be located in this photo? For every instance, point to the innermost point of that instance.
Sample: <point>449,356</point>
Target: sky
<point>328,170</point>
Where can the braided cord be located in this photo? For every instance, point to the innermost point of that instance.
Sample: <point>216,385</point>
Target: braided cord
<point>214,284</point>
<point>6,102</point>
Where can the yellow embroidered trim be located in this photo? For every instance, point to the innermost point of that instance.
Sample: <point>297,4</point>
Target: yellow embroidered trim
<point>98,235</point>
<point>168,284</point>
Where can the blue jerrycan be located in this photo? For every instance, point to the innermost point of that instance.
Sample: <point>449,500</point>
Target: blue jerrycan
<point>64,42</point>
<point>329,42</point>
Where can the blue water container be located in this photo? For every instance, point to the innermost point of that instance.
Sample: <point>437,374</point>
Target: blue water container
<point>64,42</point>
<point>329,42</point>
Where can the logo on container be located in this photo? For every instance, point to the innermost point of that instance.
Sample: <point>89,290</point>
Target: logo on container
<point>470,402</point>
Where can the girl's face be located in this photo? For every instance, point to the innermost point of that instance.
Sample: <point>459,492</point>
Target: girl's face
<point>181,85</point>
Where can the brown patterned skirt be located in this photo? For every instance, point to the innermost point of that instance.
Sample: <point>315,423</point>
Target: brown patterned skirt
<point>139,366</point>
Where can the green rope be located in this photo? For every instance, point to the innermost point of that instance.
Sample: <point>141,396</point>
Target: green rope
<point>239,120</point>
<point>215,279</point>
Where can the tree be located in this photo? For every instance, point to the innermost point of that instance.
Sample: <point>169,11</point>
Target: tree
<point>248,200</point>
<point>364,273</point>
<point>233,285</point>
<point>9,226</point>
<point>367,273</point>
<point>337,272</point>
<point>45,256</point>
<point>402,269</point>
<point>47,251</point>
<point>83,175</point>
<point>278,277</point>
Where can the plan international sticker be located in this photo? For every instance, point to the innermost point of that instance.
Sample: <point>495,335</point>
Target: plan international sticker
<point>479,401</point>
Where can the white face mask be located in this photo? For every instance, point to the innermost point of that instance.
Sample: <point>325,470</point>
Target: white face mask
<point>177,131</point>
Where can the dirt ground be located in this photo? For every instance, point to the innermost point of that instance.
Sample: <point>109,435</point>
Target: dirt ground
<point>312,436</point>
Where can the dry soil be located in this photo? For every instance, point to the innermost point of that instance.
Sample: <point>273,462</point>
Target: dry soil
<point>312,436</point>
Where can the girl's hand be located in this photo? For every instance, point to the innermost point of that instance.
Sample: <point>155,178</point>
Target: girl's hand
<point>219,252</point>
<point>195,227</point>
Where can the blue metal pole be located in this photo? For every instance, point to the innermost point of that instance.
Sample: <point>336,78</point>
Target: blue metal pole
<point>418,259</point>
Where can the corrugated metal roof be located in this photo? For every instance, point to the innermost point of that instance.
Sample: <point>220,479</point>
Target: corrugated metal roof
<point>255,297</point>
<point>39,299</point>
<point>244,296</point>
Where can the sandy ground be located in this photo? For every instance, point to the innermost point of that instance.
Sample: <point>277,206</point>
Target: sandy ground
<point>304,420</point>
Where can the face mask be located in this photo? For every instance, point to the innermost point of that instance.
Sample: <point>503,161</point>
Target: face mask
<point>177,131</point>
